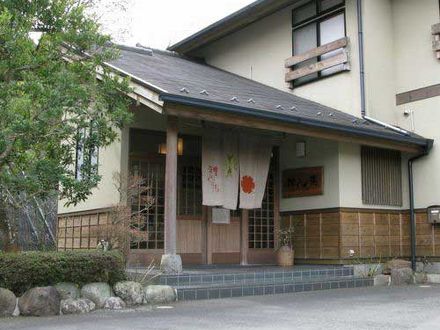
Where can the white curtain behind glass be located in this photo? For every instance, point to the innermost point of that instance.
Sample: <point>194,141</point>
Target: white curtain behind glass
<point>331,30</point>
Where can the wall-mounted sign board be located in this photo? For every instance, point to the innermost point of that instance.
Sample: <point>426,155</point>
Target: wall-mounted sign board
<point>302,182</point>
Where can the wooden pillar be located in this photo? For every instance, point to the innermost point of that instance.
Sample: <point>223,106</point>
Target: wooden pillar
<point>209,236</point>
<point>244,237</point>
<point>204,243</point>
<point>171,187</point>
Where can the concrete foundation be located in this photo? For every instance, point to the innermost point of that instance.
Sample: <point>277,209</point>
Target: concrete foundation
<point>171,264</point>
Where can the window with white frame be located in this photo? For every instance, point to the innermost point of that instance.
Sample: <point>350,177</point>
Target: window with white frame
<point>316,23</point>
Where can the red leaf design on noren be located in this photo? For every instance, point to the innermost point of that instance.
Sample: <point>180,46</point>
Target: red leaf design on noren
<point>247,184</point>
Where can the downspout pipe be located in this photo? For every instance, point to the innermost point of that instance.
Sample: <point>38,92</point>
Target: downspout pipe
<point>411,203</point>
<point>361,56</point>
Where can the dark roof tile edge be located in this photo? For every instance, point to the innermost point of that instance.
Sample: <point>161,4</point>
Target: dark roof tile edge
<point>392,135</point>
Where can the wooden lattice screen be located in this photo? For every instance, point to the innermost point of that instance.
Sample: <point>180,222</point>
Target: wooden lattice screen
<point>82,231</point>
<point>262,221</point>
<point>189,190</point>
<point>381,177</point>
<point>154,173</point>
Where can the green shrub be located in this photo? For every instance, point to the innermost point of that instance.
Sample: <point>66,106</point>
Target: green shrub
<point>22,271</point>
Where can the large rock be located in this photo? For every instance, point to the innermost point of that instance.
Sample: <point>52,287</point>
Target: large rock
<point>40,301</point>
<point>396,264</point>
<point>97,292</point>
<point>171,264</point>
<point>382,280</point>
<point>159,294</point>
<point>131,292</point>
<point>68,290</point>
<point>431,268</point>
<point>114,303</point>
<point>8,300</point>
<point>420,278</point>
<point>77,306</point>
<point>401,276</point>
<point>433,278</point>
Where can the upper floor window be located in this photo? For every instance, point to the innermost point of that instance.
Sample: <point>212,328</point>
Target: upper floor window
<point>316,23</point>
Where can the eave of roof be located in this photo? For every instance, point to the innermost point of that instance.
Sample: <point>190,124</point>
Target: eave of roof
<point>423,143</point>
<point>234,22</point>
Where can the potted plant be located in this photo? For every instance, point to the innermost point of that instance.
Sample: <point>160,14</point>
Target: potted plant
<point>285,252</point>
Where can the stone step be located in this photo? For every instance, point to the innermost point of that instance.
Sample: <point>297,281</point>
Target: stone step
<point>266,276</point>
<point>229,290</point>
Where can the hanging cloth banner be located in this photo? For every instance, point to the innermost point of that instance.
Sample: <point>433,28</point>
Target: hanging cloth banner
<point>212,169</point>
<point>220,169</point>
<point>255,154</point>
<point>230,170</point>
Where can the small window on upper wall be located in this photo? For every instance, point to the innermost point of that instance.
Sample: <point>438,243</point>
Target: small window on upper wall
<point>86,162</point>
<point>381,176</point>
<point>316,23</point>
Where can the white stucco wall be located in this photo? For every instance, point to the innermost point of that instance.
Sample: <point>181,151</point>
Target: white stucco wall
<point>415,63</point>
<point>379,59</point>
<point>426,170</point>
<point>105,195</point>
<point>258,52</point>
<point>319,153</point>
<point>416,66</point>
<point>350,179</point>
<point>114,159</point>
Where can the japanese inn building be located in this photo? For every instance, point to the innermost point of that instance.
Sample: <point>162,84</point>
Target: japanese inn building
<point>317,113</point>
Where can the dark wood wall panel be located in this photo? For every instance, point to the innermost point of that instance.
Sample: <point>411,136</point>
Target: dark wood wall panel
<point>329,235</point>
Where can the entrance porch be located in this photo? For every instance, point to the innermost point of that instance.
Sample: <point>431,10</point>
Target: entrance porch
<point>249,237</point>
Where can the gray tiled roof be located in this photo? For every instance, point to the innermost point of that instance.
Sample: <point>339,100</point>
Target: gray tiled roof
<point>177,76</point>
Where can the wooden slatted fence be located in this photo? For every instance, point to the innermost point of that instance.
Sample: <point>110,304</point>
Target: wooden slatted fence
<point>327,236</point>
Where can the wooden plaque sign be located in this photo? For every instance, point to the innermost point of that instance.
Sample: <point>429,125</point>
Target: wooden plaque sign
<point>303,182</point>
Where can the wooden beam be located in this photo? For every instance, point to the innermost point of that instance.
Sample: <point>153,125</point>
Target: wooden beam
<point>318,66</point>
<point>170,212</point>
<point>418,94</point>
<point>340,43</point>
<point>139,93</point>
<point>277,126</point>
<point>435,29</point>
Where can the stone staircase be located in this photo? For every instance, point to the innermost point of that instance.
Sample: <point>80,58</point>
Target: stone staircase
<point>216,284</point>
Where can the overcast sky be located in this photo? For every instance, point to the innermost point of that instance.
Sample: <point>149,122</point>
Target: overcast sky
<point>160,23</point>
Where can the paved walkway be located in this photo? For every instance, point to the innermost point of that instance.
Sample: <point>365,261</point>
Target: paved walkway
<point>365,308</point>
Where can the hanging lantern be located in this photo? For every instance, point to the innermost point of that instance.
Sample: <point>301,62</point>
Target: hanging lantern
<point>163,147</point>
